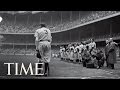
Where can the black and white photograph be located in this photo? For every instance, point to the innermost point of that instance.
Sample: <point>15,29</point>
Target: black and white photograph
<point>60,44</point>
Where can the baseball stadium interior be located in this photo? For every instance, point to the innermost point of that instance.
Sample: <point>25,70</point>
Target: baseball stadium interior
<point>18,28</point>
<point>66,27</point>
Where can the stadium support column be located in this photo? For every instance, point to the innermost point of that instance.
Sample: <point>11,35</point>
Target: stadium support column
<point>70,36</point>
<point>15,20</point>
<point>79,36</point>
<point>92,31</point>
<point>70,16</point>
<point>14,48</point>
<point>40,19</point>
<point>79,15</point>
<point>110,28</point>
<point>27,19</point>
<point>25,48</point>
<point>26,44</point>
<point>61,20</point>
<point>51,21</point>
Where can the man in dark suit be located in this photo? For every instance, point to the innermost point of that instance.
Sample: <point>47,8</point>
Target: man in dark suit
<point>112,53</point>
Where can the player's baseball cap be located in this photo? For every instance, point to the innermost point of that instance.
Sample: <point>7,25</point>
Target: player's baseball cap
<point>110,39</point>
<point>107,41</point>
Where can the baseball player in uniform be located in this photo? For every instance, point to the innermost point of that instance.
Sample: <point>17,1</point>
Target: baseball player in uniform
<point>43,44</point>
<point>76,52</point>
<point>81,48</point>
<point>61,53</point>
<point>92,44</point>
<point>72,53</point>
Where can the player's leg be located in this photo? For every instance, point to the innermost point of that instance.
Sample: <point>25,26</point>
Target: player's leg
<point>77,60</point>
<point>40,57</point>
<point>46,73</point>
<point>84,62</point>
<point>80,58</point>
<point>37,45</point>
<point>75,57</point>
<point>47,56</point>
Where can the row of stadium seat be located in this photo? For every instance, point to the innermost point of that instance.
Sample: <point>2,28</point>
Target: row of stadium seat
<point>90,17</point>
<point>18,51</point>
<point>11,51</point>
<point>11,27</point>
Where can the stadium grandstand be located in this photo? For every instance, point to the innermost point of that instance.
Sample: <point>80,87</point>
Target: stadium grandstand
<point>56,20</point>
<point>18,27</point>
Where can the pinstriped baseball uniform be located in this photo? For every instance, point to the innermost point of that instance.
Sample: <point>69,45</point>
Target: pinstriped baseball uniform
<point>43,36</point>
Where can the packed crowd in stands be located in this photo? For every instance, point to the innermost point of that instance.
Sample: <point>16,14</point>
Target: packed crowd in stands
<point>11,27</point>
<point>7,27</point>
<point>17,51</point>
<point>90,17</point>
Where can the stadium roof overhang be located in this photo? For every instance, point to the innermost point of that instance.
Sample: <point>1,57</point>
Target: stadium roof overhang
<point>23,12</point>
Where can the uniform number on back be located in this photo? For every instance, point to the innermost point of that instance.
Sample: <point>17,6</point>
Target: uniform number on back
<point>46,32</point>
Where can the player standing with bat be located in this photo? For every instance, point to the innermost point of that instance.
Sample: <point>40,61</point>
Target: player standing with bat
<point>43,45</point>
